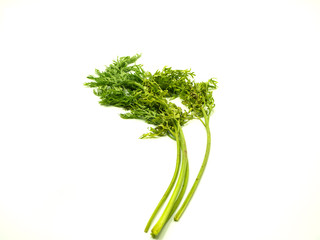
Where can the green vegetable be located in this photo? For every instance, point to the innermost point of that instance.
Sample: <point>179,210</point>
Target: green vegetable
<point>198,98</point>
<point>147,97</point>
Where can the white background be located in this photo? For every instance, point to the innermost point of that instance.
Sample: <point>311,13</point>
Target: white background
<point>72,169</point>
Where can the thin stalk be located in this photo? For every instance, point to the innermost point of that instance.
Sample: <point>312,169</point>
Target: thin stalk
<point>169,189</point>
<point>182,192</point>
<point>165,215</point>
<point>203,166</point>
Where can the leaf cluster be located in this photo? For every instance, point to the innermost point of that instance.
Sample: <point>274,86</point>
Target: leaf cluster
<point>180,83</point>
<point>147,96</point>
<point>126,85</point>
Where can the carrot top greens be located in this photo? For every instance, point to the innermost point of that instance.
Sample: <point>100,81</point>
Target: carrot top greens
<point>147,97</point>
<point>126,85</point>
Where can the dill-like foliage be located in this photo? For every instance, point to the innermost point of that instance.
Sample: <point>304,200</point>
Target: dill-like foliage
<point>126,85</point>
<point>146,96</point>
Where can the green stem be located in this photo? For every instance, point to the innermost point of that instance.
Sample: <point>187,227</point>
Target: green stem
<point>203,166</point>
<point>165,215</point>
<point>182,192</point>
<point>173,180</point>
